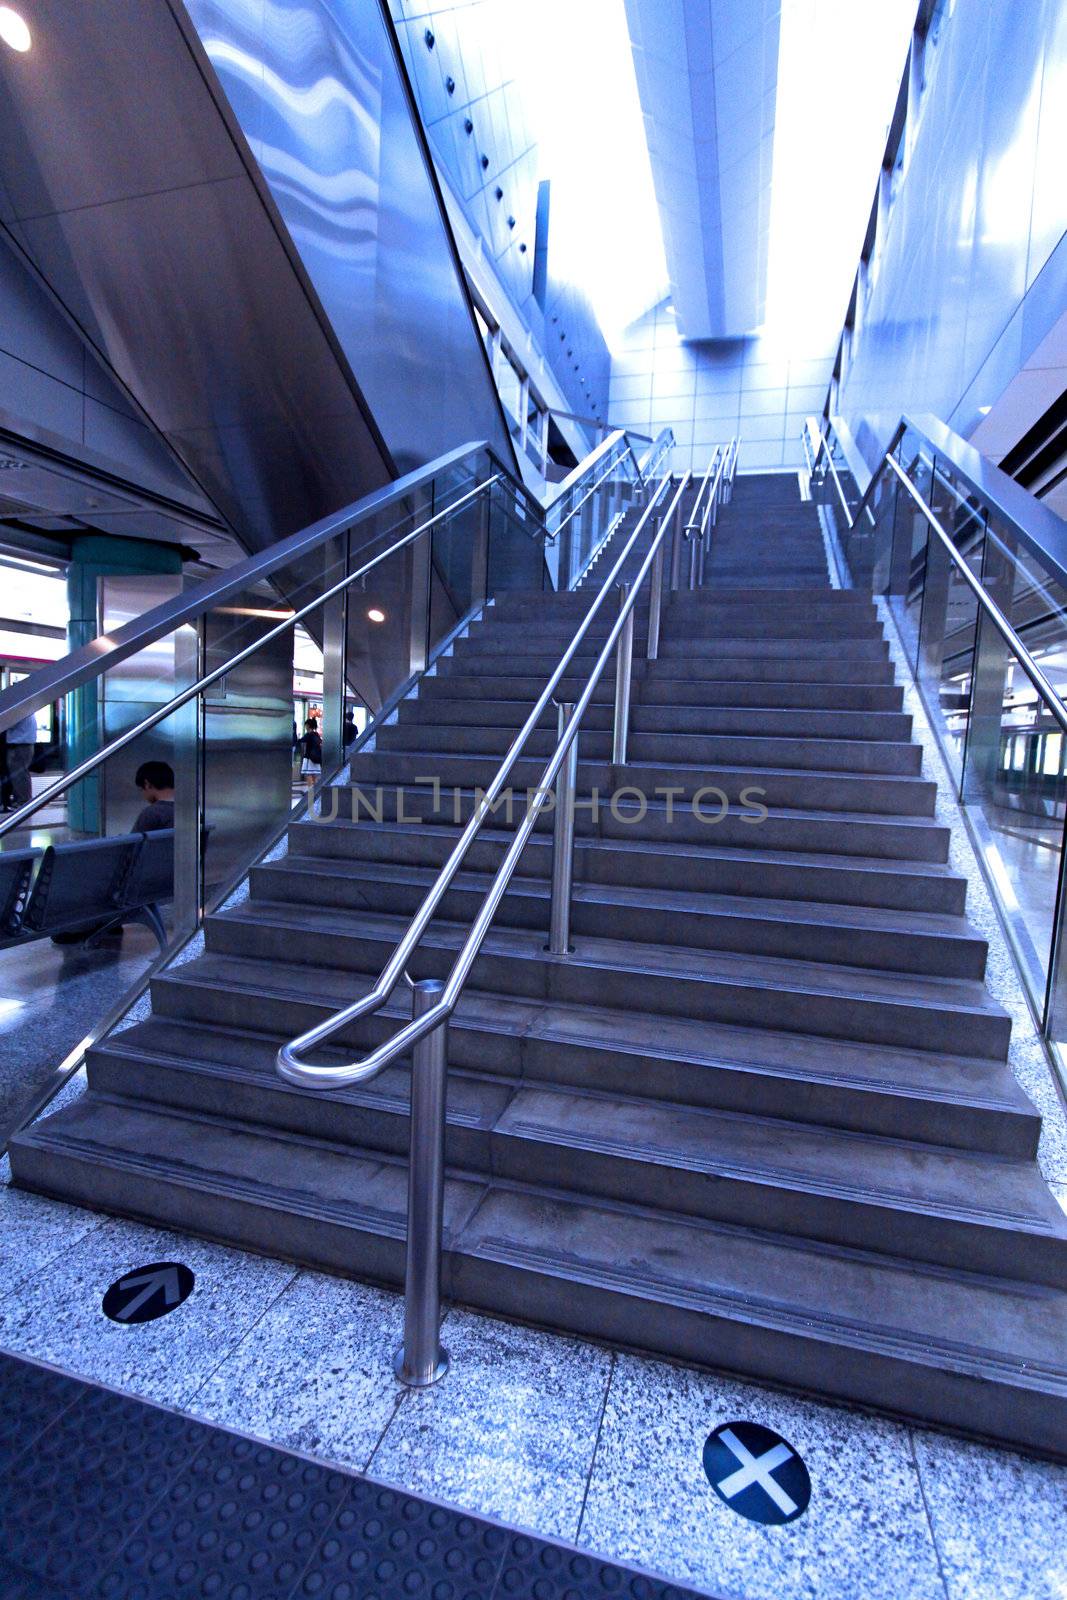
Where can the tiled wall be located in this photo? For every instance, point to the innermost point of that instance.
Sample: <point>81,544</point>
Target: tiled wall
<point>757,388</point>
<point>478,131</point>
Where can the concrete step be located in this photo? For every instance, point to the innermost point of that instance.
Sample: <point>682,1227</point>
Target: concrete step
<point>746,668</point>
<point>897,838</point>
<point>699,693</point>
<point>748,785</point>
<point>856,936</point>
<point>800,625</point>
<point>966,1102</point>
<point>970,1210</point>
<point>495,642</point>
<point>783,751</point>
<point>518,604</point>
<point>638,863</point>
<point>902,1009</point>
<point>979,1353</point>
<point>463,713</point>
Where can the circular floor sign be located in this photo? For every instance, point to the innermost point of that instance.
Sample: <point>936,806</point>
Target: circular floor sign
<point>756,1472</point>
<point>148,1292</point>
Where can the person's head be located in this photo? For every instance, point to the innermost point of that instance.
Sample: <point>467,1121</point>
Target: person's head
<point>155,779</point>
<point>311,725</point>
<point>350,719</point>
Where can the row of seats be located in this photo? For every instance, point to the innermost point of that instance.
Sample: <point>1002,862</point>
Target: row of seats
<point>86,884</point>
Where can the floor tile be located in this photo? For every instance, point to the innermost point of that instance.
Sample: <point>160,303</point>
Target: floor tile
<point>35,1231</point>
<point>316,1374</point>
<point>865,1531</point>
<point>999,1519</point>
<point>56,1316</point>
<point>510,1431</point>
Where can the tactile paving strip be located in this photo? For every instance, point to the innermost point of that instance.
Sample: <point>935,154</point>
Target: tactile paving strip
<point>104,1496</point>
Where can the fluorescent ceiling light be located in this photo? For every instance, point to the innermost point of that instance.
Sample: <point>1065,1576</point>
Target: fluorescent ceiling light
<point>13,30</point>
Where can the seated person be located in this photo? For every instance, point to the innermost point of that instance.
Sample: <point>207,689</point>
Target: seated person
<point>155,779</point>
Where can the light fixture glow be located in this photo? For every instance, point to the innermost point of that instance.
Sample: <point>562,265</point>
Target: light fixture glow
<point>376,614</point>
<point>13,30</point>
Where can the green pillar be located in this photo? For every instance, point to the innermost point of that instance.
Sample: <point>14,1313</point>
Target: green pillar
<point>95,556</point>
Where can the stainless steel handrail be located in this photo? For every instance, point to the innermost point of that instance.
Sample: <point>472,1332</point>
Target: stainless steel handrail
<point>176,702</point>
<point>309,1075</point>
<point>694,516</point>
<point>657,449</point>
<point>988,604</point>
<point>612,466</point>
<point>825,445</point>
<point>575,476</point>
<point>53,681</point>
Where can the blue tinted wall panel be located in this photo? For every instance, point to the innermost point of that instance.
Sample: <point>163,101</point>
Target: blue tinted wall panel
<point>319,95</point>
<point>976,217</point>
<point>479,132</point>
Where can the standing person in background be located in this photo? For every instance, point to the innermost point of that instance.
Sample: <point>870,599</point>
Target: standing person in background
<point>311,744</point>
<point>21,743</point>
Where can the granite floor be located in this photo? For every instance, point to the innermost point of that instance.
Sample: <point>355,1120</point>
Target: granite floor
<point>555,1435</point>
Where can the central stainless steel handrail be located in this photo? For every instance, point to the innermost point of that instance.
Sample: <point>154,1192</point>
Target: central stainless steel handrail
<point>310,1075</point>
<point>175,703</point>
<point>711,492</point>
<point>694,516</point>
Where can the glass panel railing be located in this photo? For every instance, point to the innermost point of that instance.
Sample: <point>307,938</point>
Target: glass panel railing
<point>980,604</point>
<point>589,507</point>
<point>160,808</point>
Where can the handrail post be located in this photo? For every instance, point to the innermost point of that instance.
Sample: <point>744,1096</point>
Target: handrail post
<point>559,929</point>
<point>694,542</point>
<point>655,603</point>
<point>623,671</point>
<point>422,1359</point>
<point>676,549</point>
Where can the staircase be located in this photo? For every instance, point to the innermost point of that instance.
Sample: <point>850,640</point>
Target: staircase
<point>760,1119</point>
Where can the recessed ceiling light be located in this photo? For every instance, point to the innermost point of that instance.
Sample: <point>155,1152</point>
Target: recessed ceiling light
<point>376,614</point>
<point>13,30</point>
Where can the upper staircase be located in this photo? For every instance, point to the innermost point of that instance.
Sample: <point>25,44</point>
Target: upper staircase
<point>761,1118</point>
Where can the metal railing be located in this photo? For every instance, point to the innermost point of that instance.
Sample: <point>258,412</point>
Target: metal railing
<point>288,623</point>
<point>606,477</point>
<point>422,1360</point>
<point>974,571</point>
<point>715,489</point>
<point>491,533</point>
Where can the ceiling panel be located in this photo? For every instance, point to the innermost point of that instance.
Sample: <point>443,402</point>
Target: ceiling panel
<point>706,74</point>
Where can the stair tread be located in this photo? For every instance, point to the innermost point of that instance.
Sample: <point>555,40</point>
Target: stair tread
<point>829,914</point>
<point>1008,1332</point>
<point>696,853</point>
<point>867,1168</point>
<point>955,1079</point>
<point>595,952</point>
